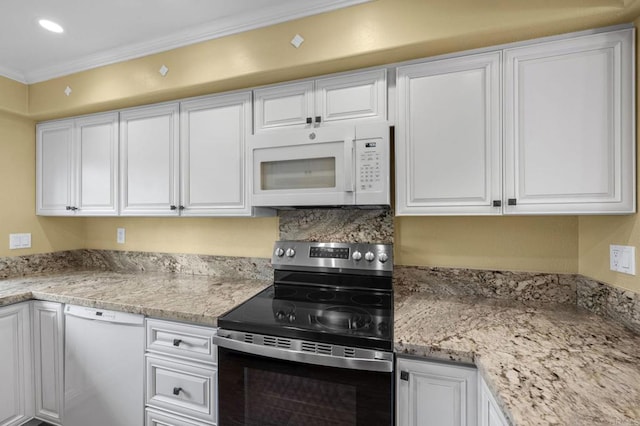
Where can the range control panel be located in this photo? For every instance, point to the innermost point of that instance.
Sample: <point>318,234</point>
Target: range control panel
<point>309,255</point>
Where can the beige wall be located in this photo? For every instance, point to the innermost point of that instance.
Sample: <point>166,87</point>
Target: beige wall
<point>379,32</point>
<point>17,196</point>
<point>596,233</point>
<point>536,244</point>
<point>251,237</point>
<point>374,33</point>
<point>13,97</point>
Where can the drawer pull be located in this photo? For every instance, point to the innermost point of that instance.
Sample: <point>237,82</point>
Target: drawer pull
<point>176,342</point>
<point>176,391</point>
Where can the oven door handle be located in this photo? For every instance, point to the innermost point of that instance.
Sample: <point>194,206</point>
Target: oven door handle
<point>382,365</point>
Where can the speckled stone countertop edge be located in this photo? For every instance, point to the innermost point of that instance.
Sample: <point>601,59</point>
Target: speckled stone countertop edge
<point>166,314</point>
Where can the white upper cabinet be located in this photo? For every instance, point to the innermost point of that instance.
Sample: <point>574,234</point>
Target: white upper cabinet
<point>54,168</point>
<point>212,148</point>
<point>97,160</point>
<point>564,107</point>
<point>448,139</point>
<point>328,100</point>
<point>284,106</point>
<point>149,161</point>
<point>569,126</point>
<point>77,163</point>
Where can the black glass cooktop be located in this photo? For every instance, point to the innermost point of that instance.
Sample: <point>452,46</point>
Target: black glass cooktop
<point>355,317</point>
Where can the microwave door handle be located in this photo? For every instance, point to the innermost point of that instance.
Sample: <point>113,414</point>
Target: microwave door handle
<point>349,168</point>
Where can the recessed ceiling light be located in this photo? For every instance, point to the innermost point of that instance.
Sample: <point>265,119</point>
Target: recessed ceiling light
<point>51,26</point>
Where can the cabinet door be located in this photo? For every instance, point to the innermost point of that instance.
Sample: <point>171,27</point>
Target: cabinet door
<point>283,106</point>
<point>160,418</point>
<point>149,161</point>
<point>16,391</point>
<point>489,413</point>
<point>448,145</point>
<point>96,153</point>
<point>54,168</point>
<point>352,97</point>
<point>431,393</point>
<point>48,330</point>
<point>184,388</point>
<point>212,144</point>
<point>569,136</point>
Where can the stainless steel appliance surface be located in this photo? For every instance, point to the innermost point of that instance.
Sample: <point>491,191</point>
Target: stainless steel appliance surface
<point>316,347</point>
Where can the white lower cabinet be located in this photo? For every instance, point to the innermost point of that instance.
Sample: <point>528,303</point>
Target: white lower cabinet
<point>158,418</point>
<point>48,356</point>
<point>181,375</point>
<point>435,393</point>
<point>489,413</point>
<point>16,374</point>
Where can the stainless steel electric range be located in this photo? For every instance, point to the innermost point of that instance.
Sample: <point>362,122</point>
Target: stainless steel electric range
<point>316,347</point>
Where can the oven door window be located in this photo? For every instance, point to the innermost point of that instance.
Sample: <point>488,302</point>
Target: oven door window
<point>262,391</point>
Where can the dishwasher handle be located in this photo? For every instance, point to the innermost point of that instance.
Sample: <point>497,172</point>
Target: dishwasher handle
<point>104,315</point>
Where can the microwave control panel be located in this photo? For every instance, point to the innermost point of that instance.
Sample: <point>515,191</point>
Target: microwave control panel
<point>369,158</point>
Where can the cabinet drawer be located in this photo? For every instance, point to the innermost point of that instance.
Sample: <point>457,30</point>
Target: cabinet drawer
<point>190,342</point>
<point>184,388</point>
<point>157,418</point>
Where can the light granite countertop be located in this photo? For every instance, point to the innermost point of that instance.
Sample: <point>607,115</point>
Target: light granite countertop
<point>546,364</point>
<point>190,298</point>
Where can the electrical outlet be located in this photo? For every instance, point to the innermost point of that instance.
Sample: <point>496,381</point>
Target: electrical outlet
<point>622,259</point>
<point>19,241</point>
<point>120,238</point>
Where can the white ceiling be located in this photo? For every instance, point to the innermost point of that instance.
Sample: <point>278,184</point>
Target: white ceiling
<point>100,32</point>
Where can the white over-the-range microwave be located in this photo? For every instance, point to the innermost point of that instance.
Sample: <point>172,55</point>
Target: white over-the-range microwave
<point>326,166</point>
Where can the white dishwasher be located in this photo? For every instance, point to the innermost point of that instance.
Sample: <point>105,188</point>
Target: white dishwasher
<point>104,364</point>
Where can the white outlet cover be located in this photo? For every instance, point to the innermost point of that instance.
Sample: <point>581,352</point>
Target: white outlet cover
<point>120,238</point>
<point>19,241</point>
<point>622,259</point>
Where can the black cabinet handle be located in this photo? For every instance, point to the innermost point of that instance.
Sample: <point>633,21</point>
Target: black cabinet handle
<point>318,119</point>
<point>180,208</point>
<point>309,120</point>
<point>512,201</point>
<point>176,391</point>
<point>68,207</point>
<point>173,207</point>
<point>497,203</point>
<point>404,375</point>
<point>176,342</point>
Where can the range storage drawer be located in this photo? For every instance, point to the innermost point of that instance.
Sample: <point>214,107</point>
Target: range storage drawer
<point>157,418</point>
<point>190,342</point>
<point>183,388</point>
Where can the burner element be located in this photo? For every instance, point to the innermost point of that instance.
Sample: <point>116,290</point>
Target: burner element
<point>321,296</point>
<point>344,318</point>
<point>367,299</point>
<point>284,292</point>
